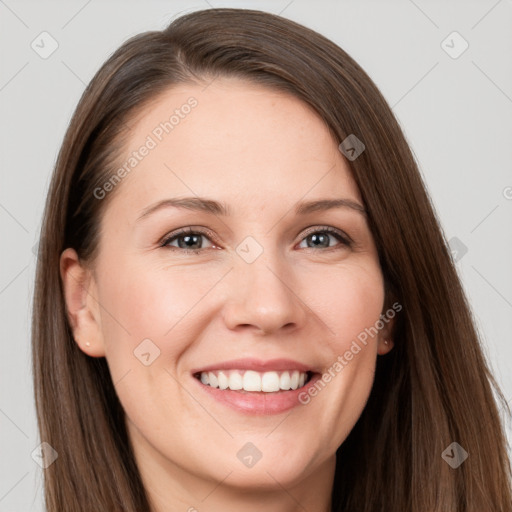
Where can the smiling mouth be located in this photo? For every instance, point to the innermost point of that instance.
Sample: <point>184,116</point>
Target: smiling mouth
<point>254,382</point>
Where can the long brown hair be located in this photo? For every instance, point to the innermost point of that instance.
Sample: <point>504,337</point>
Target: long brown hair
<point>433,389</point>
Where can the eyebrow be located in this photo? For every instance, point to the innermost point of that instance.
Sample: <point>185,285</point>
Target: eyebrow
<point>201,204</point>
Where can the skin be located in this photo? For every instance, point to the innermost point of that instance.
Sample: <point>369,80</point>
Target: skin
<point>260,152</point>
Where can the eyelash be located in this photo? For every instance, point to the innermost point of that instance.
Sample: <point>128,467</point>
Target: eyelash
<point>342,237</point>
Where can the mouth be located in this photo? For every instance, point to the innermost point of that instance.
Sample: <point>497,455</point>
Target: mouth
<point>250,381</point>
<point>256,387</point>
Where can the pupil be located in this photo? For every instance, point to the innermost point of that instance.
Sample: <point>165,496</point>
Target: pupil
<point>317,237</point>
<point>190,238</point>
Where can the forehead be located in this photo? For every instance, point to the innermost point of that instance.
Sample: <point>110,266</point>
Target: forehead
<point>235,141</point>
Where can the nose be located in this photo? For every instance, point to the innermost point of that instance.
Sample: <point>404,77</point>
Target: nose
<point>264,295</point>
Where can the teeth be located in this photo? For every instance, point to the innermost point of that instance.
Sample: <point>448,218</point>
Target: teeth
<point>295,380</point>
<point>252,381</point>
<point>270,382</point>
<point>248,380</point>
<point>284,381</point>
<point>223,380</point>
<point>236,381</point>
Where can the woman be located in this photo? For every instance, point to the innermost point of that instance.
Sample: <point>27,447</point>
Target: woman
<point>243,295</point>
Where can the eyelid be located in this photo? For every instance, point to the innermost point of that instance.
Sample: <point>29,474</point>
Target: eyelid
<point>328,229</point>
<point>185,231</point>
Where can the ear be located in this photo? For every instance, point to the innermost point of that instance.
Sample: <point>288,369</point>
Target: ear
<point>385,337</point>
<point>82,305</point>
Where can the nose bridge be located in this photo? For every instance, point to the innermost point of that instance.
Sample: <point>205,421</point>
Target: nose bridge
<point>264,295</point>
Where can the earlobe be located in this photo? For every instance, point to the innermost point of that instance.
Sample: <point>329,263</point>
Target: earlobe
<point>385,345</point>
<point>81,306</point>
<point>385,340</point>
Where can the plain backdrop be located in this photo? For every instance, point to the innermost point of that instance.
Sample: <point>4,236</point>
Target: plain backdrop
<point>455,107</point>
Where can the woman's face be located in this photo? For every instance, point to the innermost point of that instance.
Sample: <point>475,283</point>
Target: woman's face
<point>267,290</point>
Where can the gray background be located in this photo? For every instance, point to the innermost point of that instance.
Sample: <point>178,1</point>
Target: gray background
<point>456,113</point>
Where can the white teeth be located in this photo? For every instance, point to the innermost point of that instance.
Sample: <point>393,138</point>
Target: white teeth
<point>236,381</point>
<point>223,380</point>
<point>252,381</point>
<point>270,382</point>
<point>284,381</point>
<point>295,380</point>
<point>249,380</point>
<point>214,382</point>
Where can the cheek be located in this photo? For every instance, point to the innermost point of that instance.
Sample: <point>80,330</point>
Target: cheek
<point>145,302</point>
<point>349,300</point>
<point>351,307</point>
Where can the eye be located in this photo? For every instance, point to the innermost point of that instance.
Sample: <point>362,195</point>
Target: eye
<point>320,236</point>
<point>189,240</point>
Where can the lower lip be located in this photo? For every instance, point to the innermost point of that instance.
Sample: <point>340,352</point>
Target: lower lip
<point>259,403</point>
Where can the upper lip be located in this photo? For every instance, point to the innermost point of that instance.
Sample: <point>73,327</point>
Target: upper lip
<point>257,365</point>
